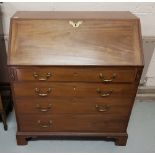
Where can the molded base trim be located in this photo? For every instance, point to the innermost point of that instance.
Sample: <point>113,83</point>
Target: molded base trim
<point>120,139</point>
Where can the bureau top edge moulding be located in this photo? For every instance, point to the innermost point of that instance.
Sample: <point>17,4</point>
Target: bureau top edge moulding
<point>75,39</point>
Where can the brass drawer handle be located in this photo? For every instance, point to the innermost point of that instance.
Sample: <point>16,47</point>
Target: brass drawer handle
<point>43,125</point>
<point>107,80</point>
<point>104,93</point>
<point>75,24</point>
<point>38,106</point>
<point>42,77</point>
<point>41,93</point>
<point>102,108</point>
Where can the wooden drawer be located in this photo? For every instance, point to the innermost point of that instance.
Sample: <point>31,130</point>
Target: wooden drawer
<point>105,106</point>
<point>49,89</point>
<point>90,74</point>
<point>71,123</point>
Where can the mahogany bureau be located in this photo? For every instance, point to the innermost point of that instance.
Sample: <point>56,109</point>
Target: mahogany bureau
<point>74,74</point>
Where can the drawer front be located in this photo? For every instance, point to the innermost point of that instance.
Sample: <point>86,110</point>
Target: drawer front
<point>119,106</point>
<point>90,90</point>
<point>72,123</point>
<point>76,74</point>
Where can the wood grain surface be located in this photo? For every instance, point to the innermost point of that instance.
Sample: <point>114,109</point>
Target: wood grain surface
<point>74,73</point>
<point>64,74</point>
<point>57,42</point>
<point>73,90</point>
<point>81,123</point>
<point>117,105</point>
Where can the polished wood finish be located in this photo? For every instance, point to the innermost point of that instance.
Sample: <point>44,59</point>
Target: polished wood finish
<point>120,138</point>
<point>72,123</point>
<point>57,42</point>
<point>121,141</point>
<point>21,140</point>
<point>74,74</point>
<point>125,75</point>
<point>74,106</point>
<point>73,90</point>
<point>110,15</point>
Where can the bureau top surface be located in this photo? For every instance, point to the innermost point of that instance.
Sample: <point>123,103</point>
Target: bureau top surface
<point>75,38</point>
<point>74,15</point>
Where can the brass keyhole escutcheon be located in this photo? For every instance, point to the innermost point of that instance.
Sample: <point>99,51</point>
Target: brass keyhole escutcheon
<point>75,24</point>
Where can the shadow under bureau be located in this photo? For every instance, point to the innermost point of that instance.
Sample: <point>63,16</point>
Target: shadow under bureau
<point>74,74</point>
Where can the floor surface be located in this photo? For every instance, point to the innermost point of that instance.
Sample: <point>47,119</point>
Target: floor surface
<point>141,131</point>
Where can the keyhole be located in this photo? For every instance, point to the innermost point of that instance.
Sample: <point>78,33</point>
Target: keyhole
<point>74,88</point>
<point>75,74</point>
